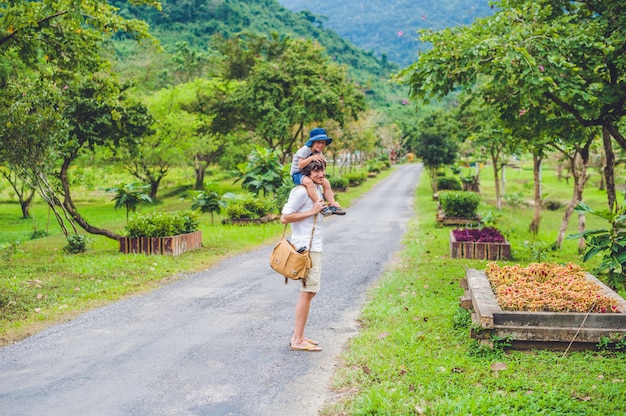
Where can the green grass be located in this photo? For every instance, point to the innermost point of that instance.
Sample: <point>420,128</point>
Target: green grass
<point>41,285</point>
<point>414,354</point>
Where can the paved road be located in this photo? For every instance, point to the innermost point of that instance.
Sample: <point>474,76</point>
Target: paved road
<point>214,342</point>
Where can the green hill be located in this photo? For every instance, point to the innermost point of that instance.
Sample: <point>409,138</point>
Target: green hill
<point>195,22</point>
<point>390,26</point>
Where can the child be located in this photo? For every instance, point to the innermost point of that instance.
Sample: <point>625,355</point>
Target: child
<point>312,150</point>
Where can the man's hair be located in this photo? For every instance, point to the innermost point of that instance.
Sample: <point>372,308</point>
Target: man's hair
<point>312,167</point>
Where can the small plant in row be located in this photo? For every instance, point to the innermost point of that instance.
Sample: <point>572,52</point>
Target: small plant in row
<point>547,287</point>
<point>163,224</point>
<point>461,204</point>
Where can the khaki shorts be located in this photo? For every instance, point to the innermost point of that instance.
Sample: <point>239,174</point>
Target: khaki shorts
<point>315,273</point>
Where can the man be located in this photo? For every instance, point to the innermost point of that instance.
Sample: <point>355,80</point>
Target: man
<point>312,150</point>
<point>300,211</point>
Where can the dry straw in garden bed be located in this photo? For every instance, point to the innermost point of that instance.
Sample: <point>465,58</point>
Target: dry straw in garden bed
<point>549,288</point>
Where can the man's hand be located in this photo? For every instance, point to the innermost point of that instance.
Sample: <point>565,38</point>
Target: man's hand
<point>319,206</point>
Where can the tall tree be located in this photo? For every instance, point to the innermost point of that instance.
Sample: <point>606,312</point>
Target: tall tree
<point>75,104</point>
<point>209,143</point>
<point>291,84</point>
<point>488,133</point>
<point>436,143</point>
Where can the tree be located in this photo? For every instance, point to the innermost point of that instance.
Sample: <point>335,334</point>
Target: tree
<point>172,131</point>
<point>24,192</point>
<point>209,144</point>
<point>291,84</point>
<point>53,49</point>
<point>101,113</point>
<point>436,144</point>
<point>489,134</point>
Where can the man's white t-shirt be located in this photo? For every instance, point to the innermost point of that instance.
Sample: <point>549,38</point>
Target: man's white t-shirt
<point>301,230</point>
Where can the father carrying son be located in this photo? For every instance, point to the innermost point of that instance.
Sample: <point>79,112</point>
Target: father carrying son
<point>312,150</point>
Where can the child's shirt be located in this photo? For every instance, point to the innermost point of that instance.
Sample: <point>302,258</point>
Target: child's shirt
<point>302,153</point>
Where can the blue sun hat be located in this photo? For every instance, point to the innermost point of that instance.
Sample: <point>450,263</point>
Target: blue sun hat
<point>316,135</point>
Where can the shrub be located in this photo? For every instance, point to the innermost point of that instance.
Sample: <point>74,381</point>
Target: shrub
<point>76,244</point>
<point>462,204</point>
<point>338,182</point>
<point>356,178</point>
<point>375,166</point>
<point>11,249</point>
<point>163,224</point>
<point>552,205</point>
<point>514,199</point>
<point>449,183</point>
<point>38,234</point>
<point>282,195</point>
<point>249,206</point>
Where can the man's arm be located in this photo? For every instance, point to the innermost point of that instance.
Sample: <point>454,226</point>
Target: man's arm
<point>298,216</point>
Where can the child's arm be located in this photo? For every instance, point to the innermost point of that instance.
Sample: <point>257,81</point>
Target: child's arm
<point>302,162</point>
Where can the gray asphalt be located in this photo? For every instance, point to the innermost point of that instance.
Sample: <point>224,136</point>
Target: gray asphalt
<point>215,342</point>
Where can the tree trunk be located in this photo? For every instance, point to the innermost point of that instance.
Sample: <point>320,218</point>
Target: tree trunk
<point>496,178</point>
<point>154,187</point>
<point>503,178</point>
<point>24,192</point>
<point>609,170</point>
<point>432,172</point>
<point>199,171</point>
<point>69,207</point>
<point>25,203</point>
<point>578,165</point>
<point>581,228</point>
<point>534,225</point>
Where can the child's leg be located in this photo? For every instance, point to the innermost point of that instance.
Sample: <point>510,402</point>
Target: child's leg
<point>333,205</point>
<point>312,191</point>
<point>329,194</point>
<point>310,188</point>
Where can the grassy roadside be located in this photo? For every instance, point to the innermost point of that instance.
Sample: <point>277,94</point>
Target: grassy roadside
<point>40,285</point>
<point>414,355</point>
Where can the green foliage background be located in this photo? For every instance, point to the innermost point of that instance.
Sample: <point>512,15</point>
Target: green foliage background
<point>390,27</point>
<point>195,23</point>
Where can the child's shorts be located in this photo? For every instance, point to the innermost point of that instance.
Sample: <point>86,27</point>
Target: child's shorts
<point>297,178</point>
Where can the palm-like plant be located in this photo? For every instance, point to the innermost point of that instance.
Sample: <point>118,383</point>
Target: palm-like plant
<point>208,201</point>
<point>262,173</point>
<point>130,196</point>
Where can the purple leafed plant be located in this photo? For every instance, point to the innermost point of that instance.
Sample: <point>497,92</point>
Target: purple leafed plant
<point>482,235</point>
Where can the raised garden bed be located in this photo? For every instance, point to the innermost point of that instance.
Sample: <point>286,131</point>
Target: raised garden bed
<point>479,250</point>
<point>544,330</point>
<point>172,246</point>
<point>245,221</point>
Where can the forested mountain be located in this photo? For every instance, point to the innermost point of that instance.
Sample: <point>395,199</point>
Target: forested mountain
<point>389,26</point>
<point>195,22</point>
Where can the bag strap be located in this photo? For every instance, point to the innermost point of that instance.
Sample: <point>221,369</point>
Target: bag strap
<point>312,232</point>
